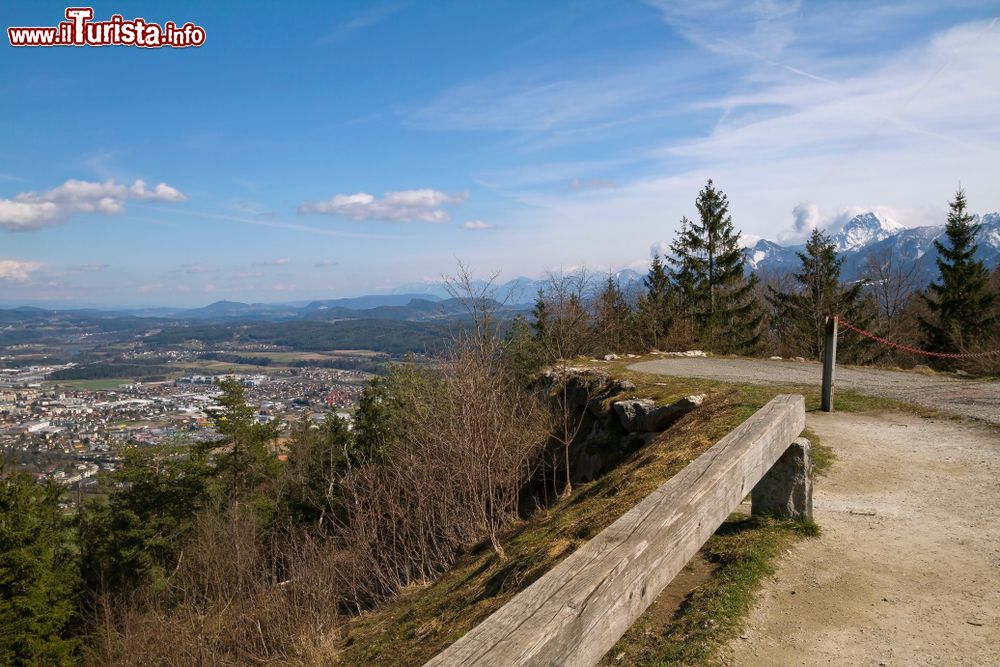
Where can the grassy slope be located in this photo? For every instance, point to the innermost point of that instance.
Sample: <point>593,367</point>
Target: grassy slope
<point>424,621</point>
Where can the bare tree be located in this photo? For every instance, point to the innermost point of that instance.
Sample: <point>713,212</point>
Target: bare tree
<point>566,334</point>
<point>892,280</point>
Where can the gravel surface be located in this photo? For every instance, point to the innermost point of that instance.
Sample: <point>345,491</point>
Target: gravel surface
<point>969,398</point>
<point>906,569</point>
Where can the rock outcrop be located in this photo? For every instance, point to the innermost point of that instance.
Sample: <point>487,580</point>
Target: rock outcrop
<point>642,415</point>
<point>609,420</point>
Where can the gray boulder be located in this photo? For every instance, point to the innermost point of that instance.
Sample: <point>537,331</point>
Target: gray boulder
<point>642,415</point>
<point>787,488</point>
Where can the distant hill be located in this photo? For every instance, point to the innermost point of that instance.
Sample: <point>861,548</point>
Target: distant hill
<point>389,336</point>
<point>415,302</point>
<point>519,291</point>
<point>235,310</point>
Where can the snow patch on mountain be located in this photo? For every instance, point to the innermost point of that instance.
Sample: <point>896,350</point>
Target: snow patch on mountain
<point>865,229</point>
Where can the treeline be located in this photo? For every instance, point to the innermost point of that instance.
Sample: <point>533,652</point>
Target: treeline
<point>232,358</point>
<point>389,336</point>
<point>146,372</point>
<point>701,296</point>
<point>376,365</point>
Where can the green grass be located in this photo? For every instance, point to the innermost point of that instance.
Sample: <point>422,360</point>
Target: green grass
<point>743,552</point>
<point>822,455</point>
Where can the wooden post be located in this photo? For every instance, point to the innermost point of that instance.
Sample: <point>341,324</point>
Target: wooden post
<point>829,362</point>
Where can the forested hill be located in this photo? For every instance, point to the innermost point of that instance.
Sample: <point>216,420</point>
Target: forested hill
<point>379,335</point>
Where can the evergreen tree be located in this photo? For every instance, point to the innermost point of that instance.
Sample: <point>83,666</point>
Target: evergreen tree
<point>249,463</point>
<point>375,427</point>
<point>38,575</point>
<point>133,536</point>
<point>612,315</point>
<point>655,305</point>
<point>959,303</point>
<point>540,314</point>
<point>522,350</point>
<point>318,455</point>
<point>802,312</point>
<point>708,274</point>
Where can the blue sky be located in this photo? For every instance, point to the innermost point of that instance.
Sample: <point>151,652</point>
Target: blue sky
<point>316,150</point>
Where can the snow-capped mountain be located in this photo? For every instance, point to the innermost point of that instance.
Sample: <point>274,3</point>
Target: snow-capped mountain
<point>865,229</point>
<point>871,235</point>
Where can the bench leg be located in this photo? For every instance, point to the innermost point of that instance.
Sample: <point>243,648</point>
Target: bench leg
<point>786,490</point>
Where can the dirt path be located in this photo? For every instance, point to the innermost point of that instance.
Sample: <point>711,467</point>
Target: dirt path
<point>907,570</point>
<point>969,398</point>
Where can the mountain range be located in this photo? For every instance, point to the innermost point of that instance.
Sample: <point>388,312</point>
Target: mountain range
<point>872,237</point>
<point>864,239</point>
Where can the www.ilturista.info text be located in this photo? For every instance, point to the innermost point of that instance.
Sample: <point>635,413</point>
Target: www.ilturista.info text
<point>80,30</point>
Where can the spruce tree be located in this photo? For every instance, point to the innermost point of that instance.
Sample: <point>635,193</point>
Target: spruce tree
<point>38,575</point>
<point>541,316</point>
<point>612,317</point>
<point>655,305</point>
<point>959,303</point>
<point>801,313</point>
<point>708,273</point>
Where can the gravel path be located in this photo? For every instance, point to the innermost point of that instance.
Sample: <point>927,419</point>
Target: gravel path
<point>969,398</point>
<point>906,570</point>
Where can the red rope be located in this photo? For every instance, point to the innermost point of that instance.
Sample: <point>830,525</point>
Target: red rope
<point>907,348</point>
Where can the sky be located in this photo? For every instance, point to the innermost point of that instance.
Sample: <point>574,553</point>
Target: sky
<point>319,150</point>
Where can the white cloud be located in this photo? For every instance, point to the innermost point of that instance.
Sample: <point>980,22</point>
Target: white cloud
<point>33,210</point>
<point>91,267</point>
<point>370,17</point>
<point>281,261</point>
<point>806,218</point>
<point>195,268</point>
<point>543,107</point>
<point>162,192</point>
<point>661,248</point>
<point>476,226</point>
<point>402,206</point>
<point>761,27</point>
<point>15,271</point>
<point>592,184</point>
<point>325,263</point>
